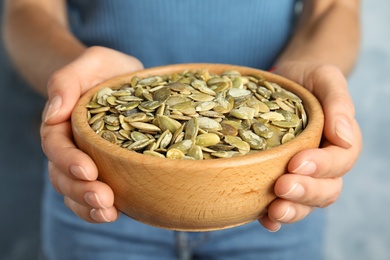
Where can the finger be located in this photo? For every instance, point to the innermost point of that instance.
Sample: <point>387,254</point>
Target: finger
<point>93,194</point>
<point>271,225</point>
<point>61,97</point>
<point>90,214</point>
<point>284,211</point>
<point>58,146</point>
<point>329,85</point>
<point>307,190</point>
<point>315,162</point>
<point>66,85</point>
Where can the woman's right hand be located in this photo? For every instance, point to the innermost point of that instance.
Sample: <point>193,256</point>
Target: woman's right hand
<point>72,172</point>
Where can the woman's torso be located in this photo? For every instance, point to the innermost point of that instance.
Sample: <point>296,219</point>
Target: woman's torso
<point>250,32</point>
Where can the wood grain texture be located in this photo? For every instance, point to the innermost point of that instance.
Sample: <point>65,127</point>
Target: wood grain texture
<point>194,195</point>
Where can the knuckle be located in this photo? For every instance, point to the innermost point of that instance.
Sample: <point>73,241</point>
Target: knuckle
<point>43,142</point>
<point>333,76</point>
<point>68,203</point>
<point>324,70</point>
<point>55,79</point>
<point>329,201</point>
<point>95,50</point>
<point>344,103</point>
<point>80,211</point>
<point>302,212</point>
<point>333,197</point>
<point>348,166</point>
<point>53,177</point>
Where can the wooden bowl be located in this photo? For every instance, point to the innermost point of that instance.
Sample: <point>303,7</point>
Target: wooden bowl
<point>193,195</point>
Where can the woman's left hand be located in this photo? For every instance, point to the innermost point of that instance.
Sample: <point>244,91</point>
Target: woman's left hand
<point>314,177</point>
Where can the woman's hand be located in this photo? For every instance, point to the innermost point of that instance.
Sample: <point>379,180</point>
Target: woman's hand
<point>72,172</point>
<point>314,177</point>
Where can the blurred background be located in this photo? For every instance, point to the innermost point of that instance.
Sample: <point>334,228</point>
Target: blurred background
<point>20,178</point>
<point>358,226</point>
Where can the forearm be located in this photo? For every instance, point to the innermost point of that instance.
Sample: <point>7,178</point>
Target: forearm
<point>327,32</point>
<point>37,39</point>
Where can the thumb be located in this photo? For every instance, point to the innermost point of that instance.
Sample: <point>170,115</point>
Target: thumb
<point>66,85</point>
<point>329,85</point>
<point>63,92</point>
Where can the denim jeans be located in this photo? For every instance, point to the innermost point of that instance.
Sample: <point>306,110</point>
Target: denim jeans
<point>65,236</point>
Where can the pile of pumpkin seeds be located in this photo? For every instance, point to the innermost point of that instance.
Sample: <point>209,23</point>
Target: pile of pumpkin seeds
<point>197,115</point>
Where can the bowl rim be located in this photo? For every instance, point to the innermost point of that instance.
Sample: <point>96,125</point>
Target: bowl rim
<point>313,108</point>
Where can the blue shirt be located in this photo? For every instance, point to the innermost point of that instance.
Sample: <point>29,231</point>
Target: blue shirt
<point>248,32</point>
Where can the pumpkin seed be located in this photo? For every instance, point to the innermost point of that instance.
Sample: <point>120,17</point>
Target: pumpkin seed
<point>196,115</point>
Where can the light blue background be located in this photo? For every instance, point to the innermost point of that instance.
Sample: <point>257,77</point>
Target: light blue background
<point>359,225</point>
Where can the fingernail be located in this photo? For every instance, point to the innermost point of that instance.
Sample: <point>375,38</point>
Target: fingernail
<point>288,215</point>
<point>79,172</point>
<point>98,215</point>
<point>93,199</point>
<point>344,131</point>
<point>278,226</point>
<point>295,192</point>
<point>306,168</point>
<point>273,69</point>
<point>53,108</point>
